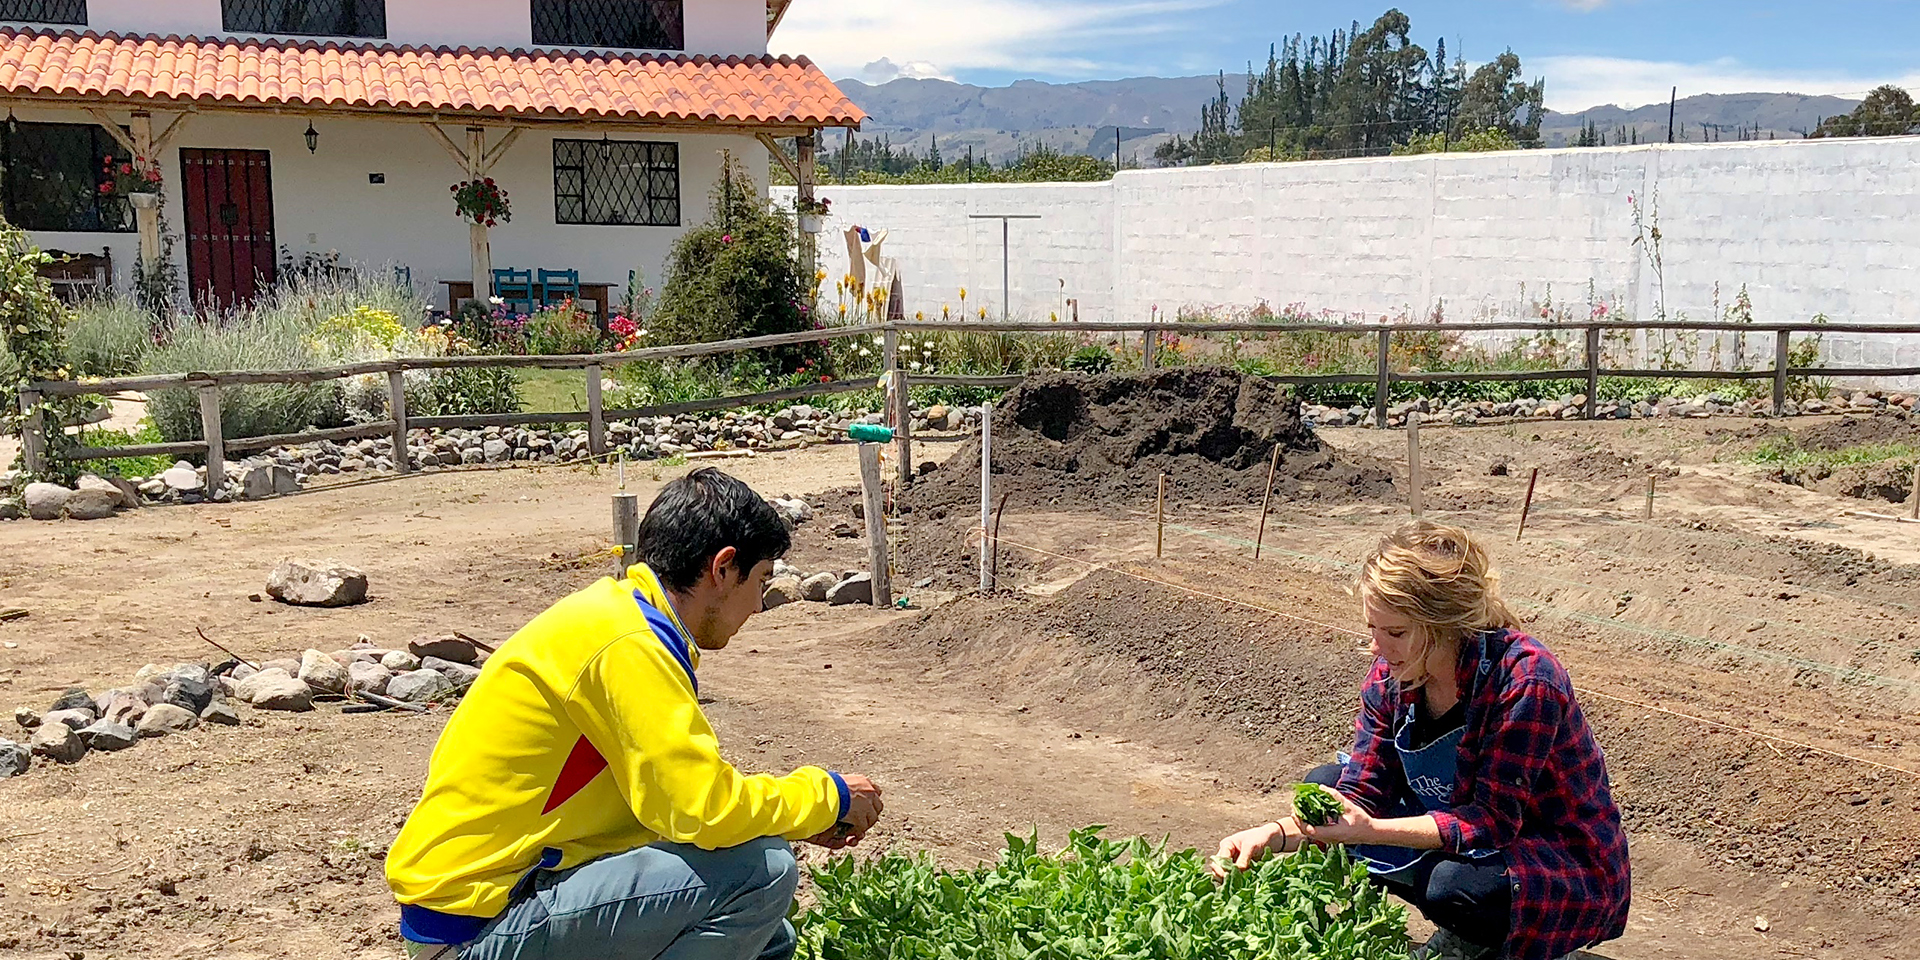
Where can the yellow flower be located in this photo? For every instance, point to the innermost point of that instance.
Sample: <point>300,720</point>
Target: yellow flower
<point>945,312</point>
<point>1054,317</point>
<point>983,313</point>
<point>963,294</point>
<point>918,315</point>
<point>820,275</point>
<point>843,309</point>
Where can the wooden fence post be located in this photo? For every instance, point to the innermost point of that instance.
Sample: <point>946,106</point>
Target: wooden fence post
<point>890,350</point>
<point>902,425</point>
<point>397,406</point>
<point>33,434</point>
<point>596,419</point>
<point>1593,371</point>
<point>1149,349</point>
<point>1384,384</point>
<point>1414,502</point>
<point>626,532</point>
<point>1782,345</point>
<point>875,501</point>
<point>216,444</point>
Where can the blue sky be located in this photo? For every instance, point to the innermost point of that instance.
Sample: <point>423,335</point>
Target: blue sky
<point>1591,51</point>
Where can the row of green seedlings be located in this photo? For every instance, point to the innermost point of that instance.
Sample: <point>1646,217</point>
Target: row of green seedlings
<point>1099,898</point>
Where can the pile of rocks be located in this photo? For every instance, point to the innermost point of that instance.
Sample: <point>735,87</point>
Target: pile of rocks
<point>284,470</point>
<point>1572,407</point>
<point>791,584</point>
<point>161,701</point>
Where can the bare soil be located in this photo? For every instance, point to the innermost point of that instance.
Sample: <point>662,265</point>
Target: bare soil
<point>1750,658</point>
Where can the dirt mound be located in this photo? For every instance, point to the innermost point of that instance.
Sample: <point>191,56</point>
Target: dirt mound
<point>1104,440</point>
<point>1854,431</point>
<point>1886,481</point>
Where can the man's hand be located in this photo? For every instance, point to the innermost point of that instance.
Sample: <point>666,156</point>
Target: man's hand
<point>863,811</point>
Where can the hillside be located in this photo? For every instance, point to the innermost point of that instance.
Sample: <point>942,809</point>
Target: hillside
<point>1081,117</point>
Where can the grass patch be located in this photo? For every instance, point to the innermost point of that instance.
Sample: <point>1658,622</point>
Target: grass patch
<point>1786,452</point>
<point>552,391</point>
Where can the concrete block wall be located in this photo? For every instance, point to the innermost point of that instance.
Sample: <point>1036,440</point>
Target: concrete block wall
<point>1810,227</point>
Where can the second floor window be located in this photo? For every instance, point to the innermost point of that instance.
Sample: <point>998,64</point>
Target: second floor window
<point>610,24</point>
<point>45,11</point>
<point>307,18</point>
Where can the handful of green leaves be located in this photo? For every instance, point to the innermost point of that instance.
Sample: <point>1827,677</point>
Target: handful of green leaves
<point>1315,805</point>
<point>1099,900</point>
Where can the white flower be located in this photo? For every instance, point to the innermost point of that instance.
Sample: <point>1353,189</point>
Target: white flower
<point>497,301</point>
<point>914,365</point>
<point>865,352</point>
<point>639,333</point>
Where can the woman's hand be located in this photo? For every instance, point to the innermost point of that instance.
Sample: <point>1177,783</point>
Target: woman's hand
<point>1354,826</point>
<point>1241,850</point>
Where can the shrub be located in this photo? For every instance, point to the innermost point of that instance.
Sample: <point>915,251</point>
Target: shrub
<point>565,328</point>
<point>126,466</point>
<point>266,339</point>
<point>109,337</point>
<point>33,333</point>
<point>735,275</point>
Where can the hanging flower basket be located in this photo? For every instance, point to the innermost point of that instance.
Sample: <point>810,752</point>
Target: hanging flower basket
<point>136,181</point>
<point>481,202</point>
<point>811,212</point>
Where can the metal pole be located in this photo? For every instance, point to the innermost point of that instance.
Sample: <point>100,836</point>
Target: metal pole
<point>1527,507</point>
<point>1673,101</point>
<point>986,495</point>
<point>1006,270</point>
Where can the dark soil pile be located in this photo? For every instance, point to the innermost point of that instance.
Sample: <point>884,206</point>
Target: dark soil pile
<point>1104,440</point>
<point>1855,431</point>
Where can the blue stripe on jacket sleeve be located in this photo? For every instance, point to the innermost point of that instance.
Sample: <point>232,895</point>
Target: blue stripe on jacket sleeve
<point>846,796</point>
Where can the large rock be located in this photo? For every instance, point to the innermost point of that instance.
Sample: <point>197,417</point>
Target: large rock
<point>74,698</point>
<point>124,493</point>
<point>451,649</point>
<point>368,678</point>
<point>107,735</point>
<point>46,501</point>
<point>815,588</point>
<point>400,661</point>
<point>782,591</point>
<point>855,589</point>
<point>14,759</point>
<point>164,718</point>
<point>182,478</point>
<point>72,718</point>
<point>317,583</point>
<point>124,708</point>
<point>189,693</point>
<point>286,665</point>
<point>57,742</point>
<point>323,673</point>
<point>496,451</point>
<point>92,504</point>
<point>275,689</point>
<point>460,674</point>
<point>27,717</point>
<point>256,483</point>
<point>220,712</point>
<point>420,686</point>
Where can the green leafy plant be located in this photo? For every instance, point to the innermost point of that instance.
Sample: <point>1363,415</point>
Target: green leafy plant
<point>481,201</point>
<point>1125,900</point>
<point>33,334</point>
<point>109,337</point>
<point>1315,805</point>
<point>126,466</point>
<point>561,329</point>
<point>1090,359</point>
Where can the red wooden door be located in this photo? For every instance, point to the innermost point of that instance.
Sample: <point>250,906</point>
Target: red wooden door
<point>230,249</point>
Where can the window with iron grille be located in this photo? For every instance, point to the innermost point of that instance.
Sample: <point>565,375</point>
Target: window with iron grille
<point>624,182</point>
<point>45,11</point>
<point>50,176</point>
<point>617,24</point>
<point>307,18</point>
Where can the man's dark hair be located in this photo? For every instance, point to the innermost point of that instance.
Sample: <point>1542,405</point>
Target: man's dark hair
<point>702,513</point>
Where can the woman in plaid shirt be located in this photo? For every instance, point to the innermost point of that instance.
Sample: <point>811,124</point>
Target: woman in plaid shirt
<point>1475,789</point>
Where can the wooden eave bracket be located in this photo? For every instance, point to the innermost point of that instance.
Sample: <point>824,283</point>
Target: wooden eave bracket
<point>773,147</point>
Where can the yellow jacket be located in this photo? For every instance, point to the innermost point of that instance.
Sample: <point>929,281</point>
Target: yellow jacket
<point>582,737</point>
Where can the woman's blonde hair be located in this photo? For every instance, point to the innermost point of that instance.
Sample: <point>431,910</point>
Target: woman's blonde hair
<point>1437,576</point>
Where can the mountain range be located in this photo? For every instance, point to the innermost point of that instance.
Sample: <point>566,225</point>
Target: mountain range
<point>997,122</point>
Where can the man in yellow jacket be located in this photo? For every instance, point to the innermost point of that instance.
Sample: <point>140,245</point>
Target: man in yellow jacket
<point>577,804</point>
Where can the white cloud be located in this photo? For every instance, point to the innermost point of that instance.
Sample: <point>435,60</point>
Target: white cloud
<point>943,37</point>
<point>1584,6</point>
<point>884,69</point>
<point>1577,83</point>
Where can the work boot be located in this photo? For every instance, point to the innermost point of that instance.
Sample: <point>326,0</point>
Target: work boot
<point>1447,945</point>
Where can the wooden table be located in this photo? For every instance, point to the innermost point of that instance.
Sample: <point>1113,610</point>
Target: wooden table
<point>597,293</point>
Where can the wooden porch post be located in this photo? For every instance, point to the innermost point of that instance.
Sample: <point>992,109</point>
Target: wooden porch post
<point>809,243</point>
<point>482,252</point>
<point>147,219</point>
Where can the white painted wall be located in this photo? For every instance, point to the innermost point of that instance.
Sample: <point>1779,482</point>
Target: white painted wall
<point>712,26</point>
<point>323,201</point>
<point>1811,227</point>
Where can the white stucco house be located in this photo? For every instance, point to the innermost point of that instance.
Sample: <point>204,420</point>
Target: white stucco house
<point>290,127</point>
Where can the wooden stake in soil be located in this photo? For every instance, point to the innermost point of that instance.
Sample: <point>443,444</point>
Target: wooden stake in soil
<point>1413,463</point>
<point>1160,518</point>
<point>875,499</point>
<point>1527,507</point>
<point>1647,514</point>
<point>1266,501</point>
<point>1913,499</point>
<point>626,532</point>
<point>986,496</point>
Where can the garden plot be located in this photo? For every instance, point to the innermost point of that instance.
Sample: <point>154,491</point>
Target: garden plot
<point>1095,697</point>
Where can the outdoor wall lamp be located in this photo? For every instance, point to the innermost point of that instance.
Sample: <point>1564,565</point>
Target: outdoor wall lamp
<point>313,138</point>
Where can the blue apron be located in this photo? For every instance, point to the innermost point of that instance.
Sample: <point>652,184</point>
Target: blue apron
<point>1431,773</point>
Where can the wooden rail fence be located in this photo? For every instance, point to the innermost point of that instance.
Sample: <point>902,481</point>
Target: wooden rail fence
<point>897,379</point>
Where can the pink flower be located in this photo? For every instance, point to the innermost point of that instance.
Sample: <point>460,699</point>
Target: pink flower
<point>726,238</point>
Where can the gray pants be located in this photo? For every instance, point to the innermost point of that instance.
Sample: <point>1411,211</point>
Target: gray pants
<point>667,901</point>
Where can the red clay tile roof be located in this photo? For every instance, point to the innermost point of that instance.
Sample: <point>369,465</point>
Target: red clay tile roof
<point>744,91</point>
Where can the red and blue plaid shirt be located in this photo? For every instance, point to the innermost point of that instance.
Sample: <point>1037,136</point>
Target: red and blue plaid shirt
<point>1532,784</point>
